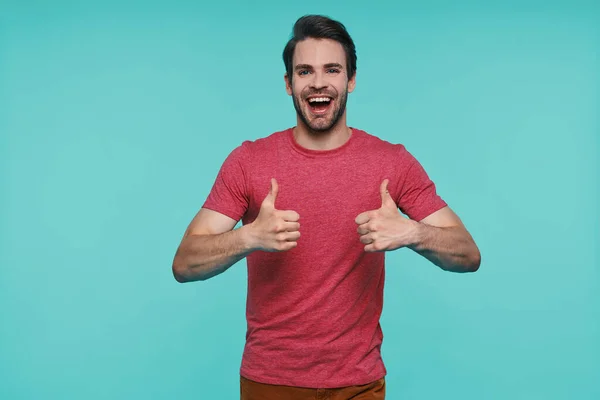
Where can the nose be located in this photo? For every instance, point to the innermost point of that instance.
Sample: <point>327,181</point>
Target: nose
<point>318,82</point>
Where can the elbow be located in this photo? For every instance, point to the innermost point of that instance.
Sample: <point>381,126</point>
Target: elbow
<point>184,273</point>
<point>179,277</point>
<point>179,270</point>
<point>474,262</point>
<point>469,263</point>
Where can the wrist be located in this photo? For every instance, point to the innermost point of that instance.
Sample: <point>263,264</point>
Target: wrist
<point>417,236</point>
<point>248,238</point>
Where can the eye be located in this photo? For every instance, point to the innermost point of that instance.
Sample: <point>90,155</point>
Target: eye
<point>303,72</point>
<point>333,70</point>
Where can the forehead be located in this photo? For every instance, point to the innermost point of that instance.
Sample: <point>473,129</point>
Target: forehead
<point>318,52</point>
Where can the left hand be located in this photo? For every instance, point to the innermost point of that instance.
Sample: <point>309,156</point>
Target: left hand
<point>385,229</point>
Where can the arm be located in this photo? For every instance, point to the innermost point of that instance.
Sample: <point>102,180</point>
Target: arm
<point>443,239</point>
<point>209,247</point>
<point>440,237</point>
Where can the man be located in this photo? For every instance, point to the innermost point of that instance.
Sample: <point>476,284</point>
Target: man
<point>319,205</point>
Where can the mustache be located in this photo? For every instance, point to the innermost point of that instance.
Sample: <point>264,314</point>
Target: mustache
<point>320,93</point>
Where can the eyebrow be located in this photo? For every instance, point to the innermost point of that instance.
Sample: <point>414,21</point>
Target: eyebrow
<point>307,66</point>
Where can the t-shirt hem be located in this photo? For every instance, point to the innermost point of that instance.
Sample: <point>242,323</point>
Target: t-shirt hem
<point>427,212</point>
<point>231,214</point>
<point>310,384</point>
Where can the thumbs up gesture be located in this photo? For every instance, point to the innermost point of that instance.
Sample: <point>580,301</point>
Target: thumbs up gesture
<point>385,229</point>
<point>275,230</point>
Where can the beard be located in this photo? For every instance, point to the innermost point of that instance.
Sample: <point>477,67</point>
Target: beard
<point>321,123</point>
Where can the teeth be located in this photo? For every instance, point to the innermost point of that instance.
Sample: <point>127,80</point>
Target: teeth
<point>319,99</point>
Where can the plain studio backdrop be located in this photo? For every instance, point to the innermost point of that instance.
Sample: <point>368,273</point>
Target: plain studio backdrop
<point>114,121</point>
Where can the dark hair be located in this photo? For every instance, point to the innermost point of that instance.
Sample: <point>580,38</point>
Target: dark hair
<point>320,27</point>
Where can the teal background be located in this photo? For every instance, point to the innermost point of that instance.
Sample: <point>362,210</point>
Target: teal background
<point>114,120</point>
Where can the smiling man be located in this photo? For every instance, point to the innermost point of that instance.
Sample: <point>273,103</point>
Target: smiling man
<point>320,205</point>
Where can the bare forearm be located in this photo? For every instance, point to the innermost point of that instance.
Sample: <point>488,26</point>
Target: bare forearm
<point>200,257</point>
<point>451,248</point>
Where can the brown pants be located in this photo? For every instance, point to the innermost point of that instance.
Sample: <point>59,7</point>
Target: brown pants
<point>251,390</point>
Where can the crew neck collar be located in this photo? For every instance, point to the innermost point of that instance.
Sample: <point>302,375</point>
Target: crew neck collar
<point>320,153</point>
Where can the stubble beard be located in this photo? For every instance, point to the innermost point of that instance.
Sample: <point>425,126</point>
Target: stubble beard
<point>320,124</point>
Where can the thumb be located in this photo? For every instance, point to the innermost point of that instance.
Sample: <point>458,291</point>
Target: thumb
<point>272,196</point>
<point>386,198</point>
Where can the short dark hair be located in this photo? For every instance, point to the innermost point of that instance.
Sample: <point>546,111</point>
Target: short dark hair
<point>320,27</point>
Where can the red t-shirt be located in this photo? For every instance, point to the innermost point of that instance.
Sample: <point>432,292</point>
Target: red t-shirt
<point>313,312</point>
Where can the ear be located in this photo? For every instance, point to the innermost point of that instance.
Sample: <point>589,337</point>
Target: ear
<point>352,83</point>
<point>288,84</point>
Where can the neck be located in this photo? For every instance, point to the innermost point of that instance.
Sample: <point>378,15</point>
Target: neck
<point>322,140</point>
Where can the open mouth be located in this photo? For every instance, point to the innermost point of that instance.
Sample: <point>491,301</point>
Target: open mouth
<point>319,105</point>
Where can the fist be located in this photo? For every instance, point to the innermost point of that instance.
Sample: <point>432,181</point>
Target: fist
<point>275,230</point>
<point>385,229</point>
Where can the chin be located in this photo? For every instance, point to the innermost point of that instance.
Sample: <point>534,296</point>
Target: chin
<point>320,124</point>
<point>320,127</point>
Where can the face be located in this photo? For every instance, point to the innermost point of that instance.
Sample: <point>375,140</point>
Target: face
<point>319,85</point>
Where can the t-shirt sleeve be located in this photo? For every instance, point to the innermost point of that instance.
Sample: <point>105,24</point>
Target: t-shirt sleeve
<point>417,196</point>
<point>229,193</point>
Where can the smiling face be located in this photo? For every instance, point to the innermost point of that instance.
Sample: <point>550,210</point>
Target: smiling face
<point>319,85</point>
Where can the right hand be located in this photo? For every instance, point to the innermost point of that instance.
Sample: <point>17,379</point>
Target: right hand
<point>275,230</point>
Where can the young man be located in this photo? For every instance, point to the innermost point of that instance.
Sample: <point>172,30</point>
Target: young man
<point>319,205</point>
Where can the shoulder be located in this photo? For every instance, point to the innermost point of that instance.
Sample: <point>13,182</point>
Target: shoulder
<point>382,147</point>
<point>250,149</point>
<point>261,145</point>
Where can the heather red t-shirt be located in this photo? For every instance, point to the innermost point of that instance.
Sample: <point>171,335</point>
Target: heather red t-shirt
<point>313,312</point>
